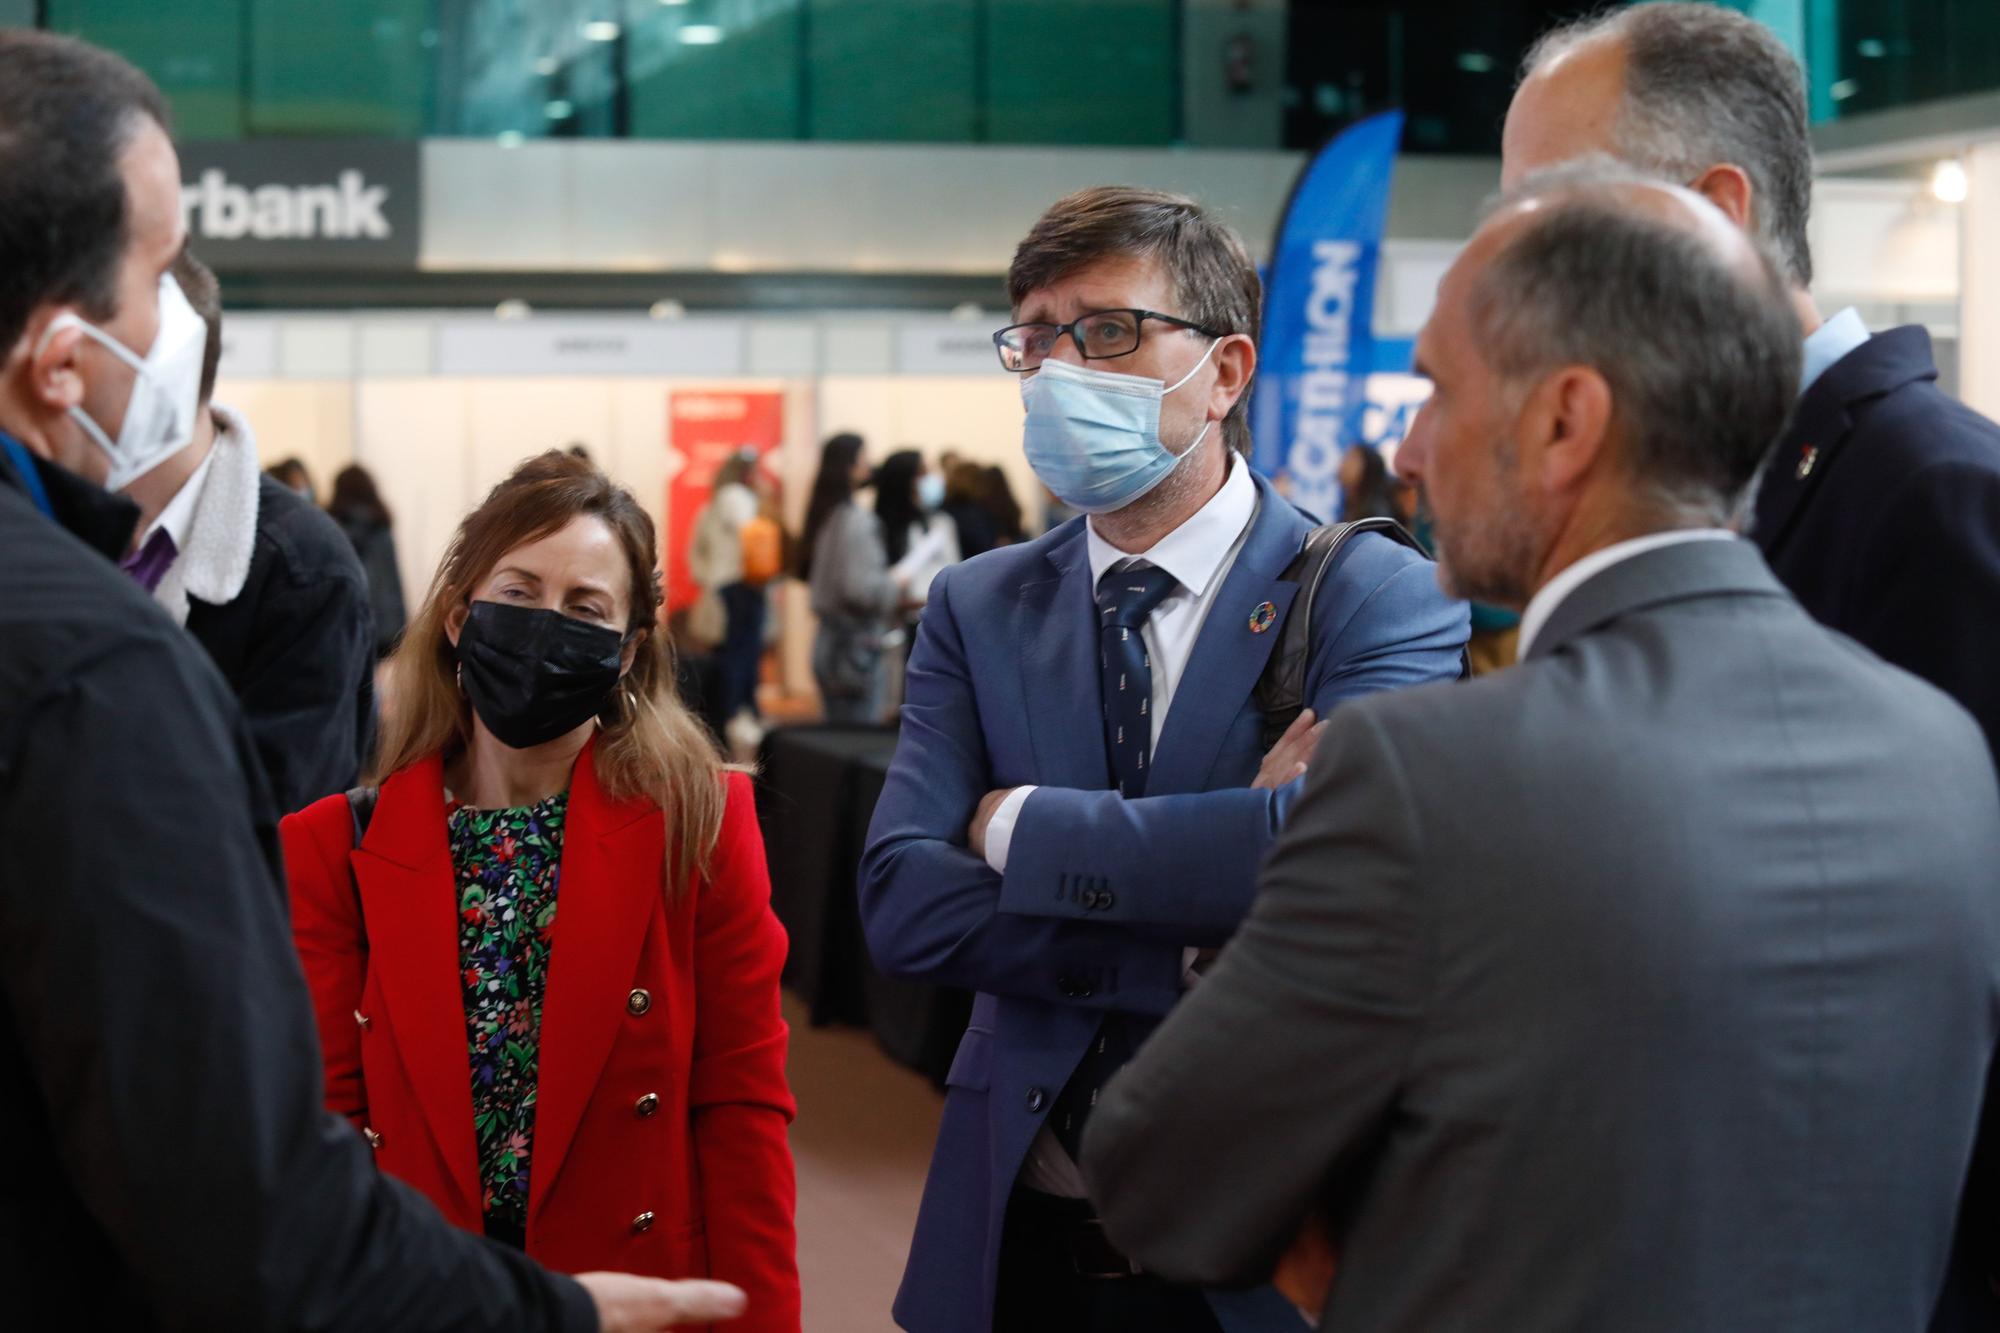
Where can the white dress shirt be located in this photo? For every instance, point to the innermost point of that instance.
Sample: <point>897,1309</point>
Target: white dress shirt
<point>1552,593</point>
<point>178,517</point>
<point>1199,554</point>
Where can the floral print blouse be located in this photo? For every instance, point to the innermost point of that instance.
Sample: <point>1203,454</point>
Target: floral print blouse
<point>506,863</point>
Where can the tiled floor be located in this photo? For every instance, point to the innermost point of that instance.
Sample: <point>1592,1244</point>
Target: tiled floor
<point>861,1143</point>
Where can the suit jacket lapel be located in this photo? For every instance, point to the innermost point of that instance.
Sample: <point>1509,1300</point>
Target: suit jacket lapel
<point>1811,444</point>
<point>1800,460</point>
<point>1061,680</point>
<point>612,861</point>
<point>403,873</point>
<point>1228,654</point>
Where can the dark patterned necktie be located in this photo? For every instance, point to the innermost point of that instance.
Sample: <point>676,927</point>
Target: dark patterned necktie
<point>1125,597</point>
<point>149,564</point>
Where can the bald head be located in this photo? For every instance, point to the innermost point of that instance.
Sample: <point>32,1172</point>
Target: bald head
<point>1605,184</point>
<point>1609,356</point>
<point>1694,93</point>
<point>1648,285</point>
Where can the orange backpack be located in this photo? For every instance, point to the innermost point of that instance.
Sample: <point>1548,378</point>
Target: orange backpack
<point>763,550</point>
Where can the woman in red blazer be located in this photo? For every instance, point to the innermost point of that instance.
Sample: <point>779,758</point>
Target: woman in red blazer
<point>546,977</point>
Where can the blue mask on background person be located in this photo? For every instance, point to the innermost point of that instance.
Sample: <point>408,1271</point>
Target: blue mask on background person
<point>1093,436</point>
<point>930,490</point>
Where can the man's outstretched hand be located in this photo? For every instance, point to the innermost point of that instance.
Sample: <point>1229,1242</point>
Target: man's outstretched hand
<point>1288,758</point>
<point>627,1304</point>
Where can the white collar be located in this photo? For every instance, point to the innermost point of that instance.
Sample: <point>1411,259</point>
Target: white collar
<point>179,513</point>
<point>1197,548</point>
<point>221,528</point>
<point>1830,342</point>
<point>1552,593</point>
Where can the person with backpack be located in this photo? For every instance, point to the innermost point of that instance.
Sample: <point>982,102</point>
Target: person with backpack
<point>734,553</point>
<point>1082,790</point>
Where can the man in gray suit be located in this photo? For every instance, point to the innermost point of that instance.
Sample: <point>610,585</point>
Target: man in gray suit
<point>1651,984</point>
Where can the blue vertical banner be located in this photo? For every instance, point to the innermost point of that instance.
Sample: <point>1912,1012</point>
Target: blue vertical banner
<point>1319,307</point>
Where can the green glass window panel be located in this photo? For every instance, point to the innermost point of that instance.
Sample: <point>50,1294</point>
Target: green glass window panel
<point>1081,71</point>
<point>742,80</point>
<point>892,69</point>
<point>1893,53</point>
<point>339,66</point>
<point>193,52</point>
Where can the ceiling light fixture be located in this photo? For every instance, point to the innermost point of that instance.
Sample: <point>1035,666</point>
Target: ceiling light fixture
<point>600,30</point>
<point>700,34</point>
<point>1948,181</point>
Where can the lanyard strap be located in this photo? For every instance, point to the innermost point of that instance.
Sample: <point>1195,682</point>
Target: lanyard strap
<point>31,475</point>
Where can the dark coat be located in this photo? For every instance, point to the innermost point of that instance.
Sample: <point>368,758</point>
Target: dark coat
<point>298,649</point>
<point>375,544</point>
<point>1880,511</point>
<point>172,1164</point>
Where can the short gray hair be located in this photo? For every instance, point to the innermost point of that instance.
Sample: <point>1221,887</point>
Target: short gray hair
<point>1703,364</point>
<point>1706,85</point>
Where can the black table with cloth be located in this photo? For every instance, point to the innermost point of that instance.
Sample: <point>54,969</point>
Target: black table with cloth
<point>816,791</point>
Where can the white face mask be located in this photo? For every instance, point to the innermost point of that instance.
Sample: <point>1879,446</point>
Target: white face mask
<point>159,416</point>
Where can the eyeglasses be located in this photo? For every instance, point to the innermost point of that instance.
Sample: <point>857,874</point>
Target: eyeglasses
<point>1099,335</point>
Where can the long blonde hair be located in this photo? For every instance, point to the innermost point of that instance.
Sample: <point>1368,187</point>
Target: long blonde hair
<point>648,744</point>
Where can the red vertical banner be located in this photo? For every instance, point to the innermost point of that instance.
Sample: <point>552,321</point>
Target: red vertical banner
<point>704,428</point>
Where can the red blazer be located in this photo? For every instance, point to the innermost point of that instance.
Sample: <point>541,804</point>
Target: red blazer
<point>646,998</point>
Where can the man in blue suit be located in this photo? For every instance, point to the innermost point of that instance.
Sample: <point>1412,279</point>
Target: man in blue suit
<point>1081,796</point>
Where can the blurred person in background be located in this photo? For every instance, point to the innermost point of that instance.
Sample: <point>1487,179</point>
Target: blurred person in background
<point>918,538</point>
<point>965,503</point>
<point>843,559</point>
<point>174,1166</point>
<point>1364,485</point>
<point>263,581</point>
<point>357,506</point>
<point>545,963</point>
<point>1879,506</point>
<point>291,473</point>
<point>1009,523</point>
<point>726,557</point>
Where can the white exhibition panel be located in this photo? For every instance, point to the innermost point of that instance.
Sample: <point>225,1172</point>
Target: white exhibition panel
<point>1890,242</point>
<point>1979,306</point>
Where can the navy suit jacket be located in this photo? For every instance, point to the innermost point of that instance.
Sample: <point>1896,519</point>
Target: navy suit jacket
<point>1101,894</point>
<point>1880,511</point>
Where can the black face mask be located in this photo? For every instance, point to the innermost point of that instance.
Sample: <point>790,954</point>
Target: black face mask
<point>533,675</point>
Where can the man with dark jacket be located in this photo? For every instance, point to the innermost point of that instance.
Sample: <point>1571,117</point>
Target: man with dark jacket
<point>172,1165</point>
<point>264,581</point>
<point>1879,505</point>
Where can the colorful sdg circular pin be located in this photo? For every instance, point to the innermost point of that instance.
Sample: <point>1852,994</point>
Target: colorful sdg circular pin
<point>1263,617</point>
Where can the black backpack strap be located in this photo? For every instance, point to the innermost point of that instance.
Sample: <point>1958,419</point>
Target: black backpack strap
<point>1281,690</point>
<point>361,809</point>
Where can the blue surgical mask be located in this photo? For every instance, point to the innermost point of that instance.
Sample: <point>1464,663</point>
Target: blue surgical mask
<point>1093,436</point>
<point>930,490</point>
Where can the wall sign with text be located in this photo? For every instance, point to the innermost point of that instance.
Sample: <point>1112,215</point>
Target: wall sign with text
<point>302,203</point>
